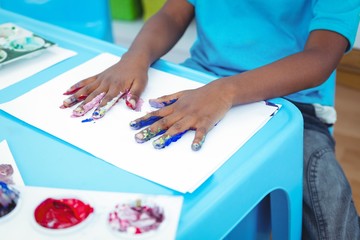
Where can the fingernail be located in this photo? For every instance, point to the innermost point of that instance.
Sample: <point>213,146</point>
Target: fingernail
<point>131,103</point>
<point>195,146</point>
<point>147,134</point>
<point>69,102</point>
<point>142,123</point>
<point>155,104</point>
<point>78,112</point>
<point>140,138</point>
<point>134,125</point>
<point>99,113</point>
<point>162,142</point>
<point>144,135</point>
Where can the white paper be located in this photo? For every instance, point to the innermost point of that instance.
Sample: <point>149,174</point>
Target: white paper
<point>23,68</point>
<point>112,140</point>
<point>7,158</point>
<point>20,224</point>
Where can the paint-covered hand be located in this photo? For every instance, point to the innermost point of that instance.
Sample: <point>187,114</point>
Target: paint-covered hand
<point>126,79</point>
<point>198,110</point>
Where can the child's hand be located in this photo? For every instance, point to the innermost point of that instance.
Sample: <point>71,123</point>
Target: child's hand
<point>124,79</point>
<point>199,110</point>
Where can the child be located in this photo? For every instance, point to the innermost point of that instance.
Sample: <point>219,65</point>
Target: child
<point>258,50</point>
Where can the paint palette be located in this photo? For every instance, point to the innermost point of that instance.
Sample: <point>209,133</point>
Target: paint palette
<point>62,214</point>
<point>136,218</point>
<point>9,172</point>
<point>97,215</point>
<point>3,55</point>
<point>9,201</point>
<point>26,44</point>
<point>17,43</point>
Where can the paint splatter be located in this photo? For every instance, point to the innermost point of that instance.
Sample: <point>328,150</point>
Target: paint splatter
<point>87,120</point>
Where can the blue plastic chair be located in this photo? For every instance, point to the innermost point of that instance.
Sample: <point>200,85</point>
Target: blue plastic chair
<point>90,17</point>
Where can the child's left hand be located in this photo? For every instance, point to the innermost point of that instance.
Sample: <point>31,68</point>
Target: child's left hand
<point>198,109</point>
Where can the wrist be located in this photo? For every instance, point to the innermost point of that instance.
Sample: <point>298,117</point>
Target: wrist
<point>140,60</point>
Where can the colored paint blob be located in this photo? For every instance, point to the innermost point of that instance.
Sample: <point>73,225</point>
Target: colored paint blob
<point>61,213</point>
<point>9,198</point>
<point>136,218</point>
<point>26,44</point>
<point>6,172</point>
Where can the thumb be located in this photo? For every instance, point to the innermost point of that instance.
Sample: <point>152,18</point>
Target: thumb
<point>133,99</point>
<point>164,100</point>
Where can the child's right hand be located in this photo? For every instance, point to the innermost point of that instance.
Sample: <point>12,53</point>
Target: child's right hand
<point>125,79</point>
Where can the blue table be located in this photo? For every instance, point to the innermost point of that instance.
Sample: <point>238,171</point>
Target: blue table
<point>266,171</point>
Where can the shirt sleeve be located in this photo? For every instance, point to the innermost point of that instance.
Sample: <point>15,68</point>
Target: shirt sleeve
<point>337,16</point>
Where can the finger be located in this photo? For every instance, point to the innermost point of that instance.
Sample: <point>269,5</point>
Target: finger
<point>133,99</point>
<point>97,93</point>
<point>151,118</point>
<point>157,104</point>
<point>174,132</point>
<point>199,139</point>
<point>100,111</point>
<point>159,124</point>
<point>165,140</point>
<point>164,100</point>
<point>143,122</point>
<point>198,142</point>
<point>81,93</point>
<point>71,101</point>
<point>201,130</point>
<point>147,134</point>
<point>77,86</point>
<point>85,107</point>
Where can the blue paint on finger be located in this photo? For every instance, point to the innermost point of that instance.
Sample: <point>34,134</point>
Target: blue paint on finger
<point>156,104</point>
<point>163,142</point>
<point>143,123</point>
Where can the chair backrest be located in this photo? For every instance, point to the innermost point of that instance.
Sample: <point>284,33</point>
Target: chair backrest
<point>90,17</point>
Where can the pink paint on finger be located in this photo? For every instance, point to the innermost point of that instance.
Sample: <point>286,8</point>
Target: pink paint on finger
<point>81,110</point>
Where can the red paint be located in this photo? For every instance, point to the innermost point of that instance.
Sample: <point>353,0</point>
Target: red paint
<point>72,91</point>
<point>130,105</point>
<point>61,213</point>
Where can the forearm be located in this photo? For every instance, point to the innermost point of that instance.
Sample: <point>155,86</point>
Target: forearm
<point>161,32</point>
<point>300,71</point>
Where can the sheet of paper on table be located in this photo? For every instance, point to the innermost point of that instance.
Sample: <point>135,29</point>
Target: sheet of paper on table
<point>18,62</point>
<point>96,227</point>
<point>111,139</point>
<point>10,73</point>
<point>6,158</point>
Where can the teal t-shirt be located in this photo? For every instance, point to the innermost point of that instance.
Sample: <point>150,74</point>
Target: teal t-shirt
<point>239,35</point>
